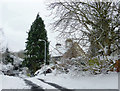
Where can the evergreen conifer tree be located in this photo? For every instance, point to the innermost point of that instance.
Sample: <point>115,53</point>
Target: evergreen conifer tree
<point>8,59</point>
<point>34,52</point>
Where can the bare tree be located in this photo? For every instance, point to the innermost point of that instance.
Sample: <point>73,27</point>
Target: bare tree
<point>91,23</point>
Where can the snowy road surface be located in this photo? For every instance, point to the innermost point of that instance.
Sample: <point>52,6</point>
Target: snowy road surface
<point>102,81</point>
<point>9,82</point>
<point>33,86</point>
<point>56,86</point>
<point>62,82</point>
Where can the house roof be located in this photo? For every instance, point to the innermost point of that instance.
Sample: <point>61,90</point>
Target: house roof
<point>74,51</point>
<point>58,52</point>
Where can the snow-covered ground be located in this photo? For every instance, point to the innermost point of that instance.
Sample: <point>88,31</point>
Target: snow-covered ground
<point>40,83</point>
<point>102,81</point>
<point>86,81</point>
<point>9,82</point>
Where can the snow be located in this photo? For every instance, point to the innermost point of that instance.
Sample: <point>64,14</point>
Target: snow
<point>102,81</point>
<point>9,82</point>
<point>9,66</point>
<point>43,69</point>
<point>17,60</point>
<point>81,80</point>
<point>41,84</point>
<point>86,81</point>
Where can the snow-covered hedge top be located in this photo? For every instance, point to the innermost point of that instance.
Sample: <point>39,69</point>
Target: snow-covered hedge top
<point>17,60</point>
<point>7,67</point>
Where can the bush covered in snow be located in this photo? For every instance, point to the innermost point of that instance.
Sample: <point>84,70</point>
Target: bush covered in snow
<point>82,65</point>
<point>46,68</point>
<point>14,67</point>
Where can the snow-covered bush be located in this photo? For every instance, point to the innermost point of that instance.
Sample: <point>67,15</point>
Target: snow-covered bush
<point>97,66</point>
<point>76,66</point>
<point>1,73</point>
<point>17,61</point>
<point>7,69</point>
<point>24,72</point>
<point>44,68</point>
<point>68,66</point>
<point>13,68</point>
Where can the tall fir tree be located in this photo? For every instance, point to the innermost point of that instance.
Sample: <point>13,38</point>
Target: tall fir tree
<point>34,47</point>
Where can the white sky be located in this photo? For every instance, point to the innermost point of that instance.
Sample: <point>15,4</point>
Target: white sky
<point>17,17</point>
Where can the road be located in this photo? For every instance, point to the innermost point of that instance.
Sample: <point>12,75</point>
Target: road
<point>35,87</point>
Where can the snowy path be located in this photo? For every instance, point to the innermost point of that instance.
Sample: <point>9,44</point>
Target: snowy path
<point>61,82</point>
<point>40,83</point>
<point>102,81</point>
<point>56,86</point>
<point>33,86</point>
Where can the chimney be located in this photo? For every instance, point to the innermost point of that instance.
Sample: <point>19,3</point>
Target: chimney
<point>58,46</point>
<point>68,43</point>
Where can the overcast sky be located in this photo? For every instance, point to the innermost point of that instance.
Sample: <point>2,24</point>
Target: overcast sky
<point>17,17</point>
